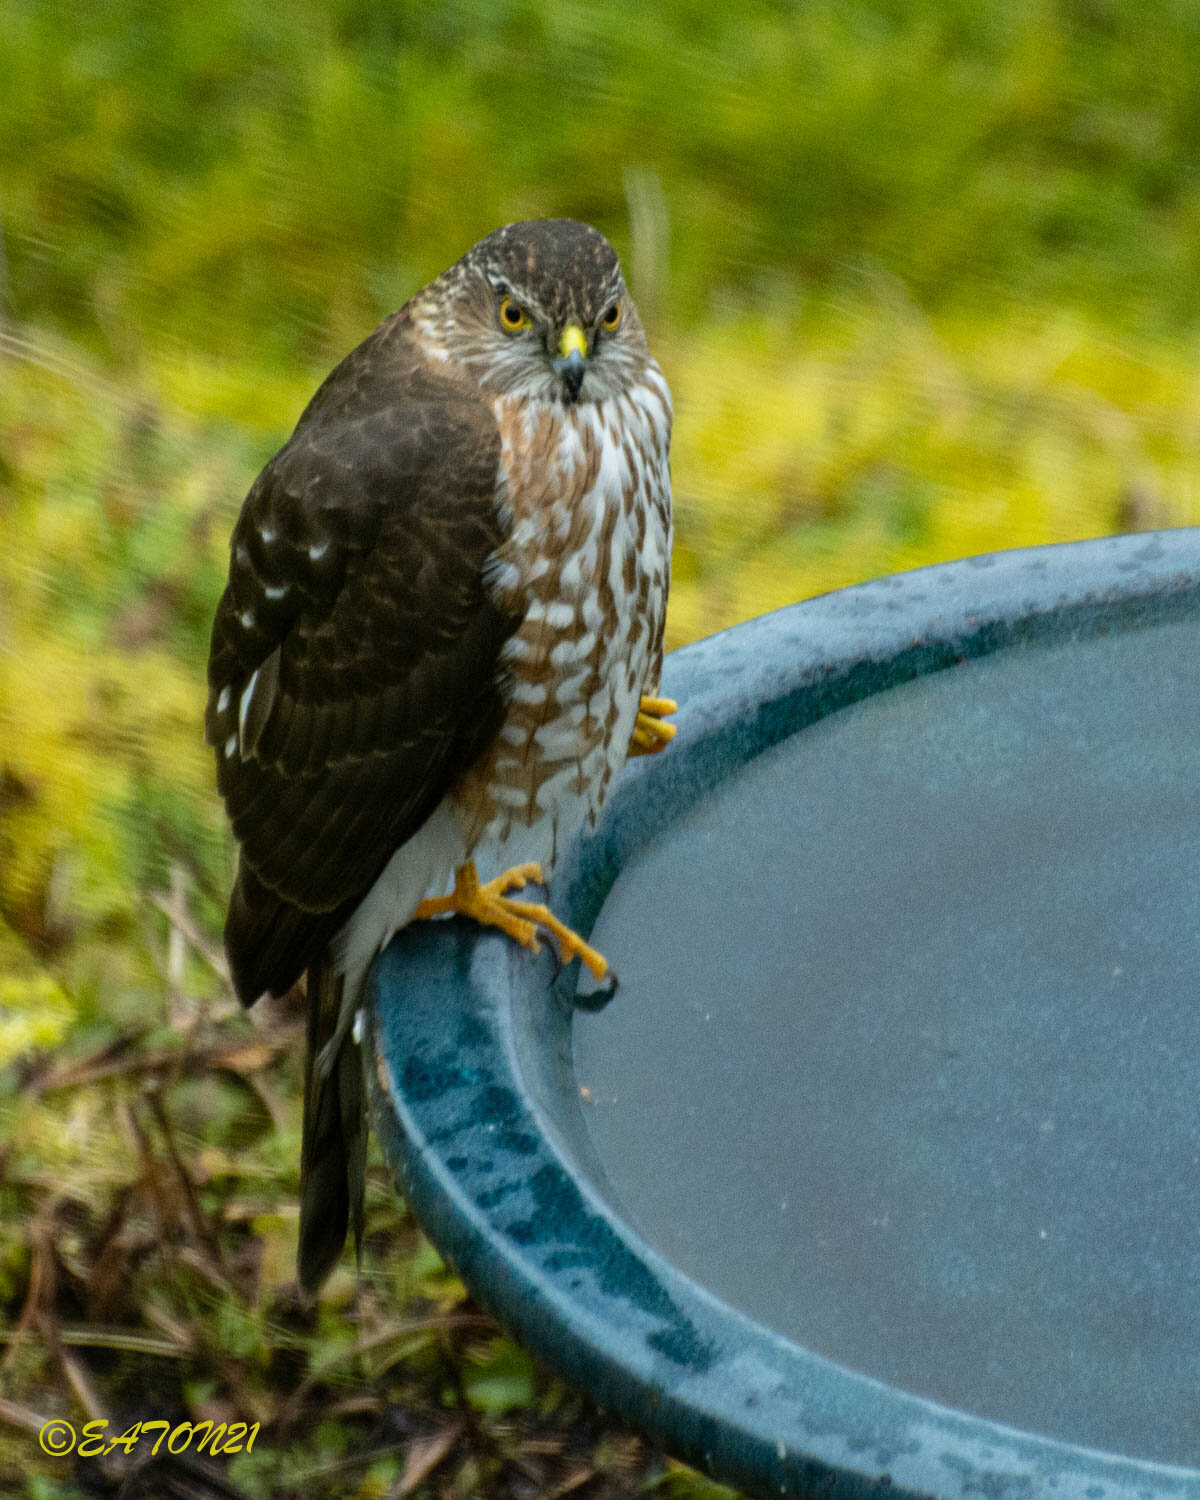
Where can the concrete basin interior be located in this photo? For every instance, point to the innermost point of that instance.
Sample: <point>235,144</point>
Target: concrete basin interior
<point>905,1062</point>
<point>880,1174</point>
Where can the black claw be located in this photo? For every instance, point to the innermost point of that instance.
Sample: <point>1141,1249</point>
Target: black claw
<point>596,999</point>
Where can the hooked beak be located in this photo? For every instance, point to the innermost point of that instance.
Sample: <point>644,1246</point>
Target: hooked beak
<point>571,363</point>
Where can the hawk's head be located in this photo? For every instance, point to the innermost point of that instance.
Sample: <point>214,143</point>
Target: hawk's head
<point>538,309</point>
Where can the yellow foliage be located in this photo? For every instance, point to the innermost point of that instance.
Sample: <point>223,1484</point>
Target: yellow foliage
<point>34,1015</point>
<point>105,536</point>
<point>868,440</point>
<point>811,450</point>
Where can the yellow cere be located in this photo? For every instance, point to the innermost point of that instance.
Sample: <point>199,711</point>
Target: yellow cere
<point>573,341</point>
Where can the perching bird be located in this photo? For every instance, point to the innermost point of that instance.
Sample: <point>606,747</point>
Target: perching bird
<point>441,636</point>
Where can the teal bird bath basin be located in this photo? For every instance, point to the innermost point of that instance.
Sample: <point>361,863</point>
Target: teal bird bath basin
<point>880,1173</point>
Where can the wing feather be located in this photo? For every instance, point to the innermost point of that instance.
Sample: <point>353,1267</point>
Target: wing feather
<point>359,617</point>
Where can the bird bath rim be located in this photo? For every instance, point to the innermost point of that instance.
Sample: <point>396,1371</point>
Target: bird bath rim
<point>473,1089</point>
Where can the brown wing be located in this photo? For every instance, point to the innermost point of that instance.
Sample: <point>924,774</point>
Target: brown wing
<point>354,666</point>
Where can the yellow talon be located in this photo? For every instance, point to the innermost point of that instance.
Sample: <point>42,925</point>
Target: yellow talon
<point>650,733</point>
<point>489,905</point>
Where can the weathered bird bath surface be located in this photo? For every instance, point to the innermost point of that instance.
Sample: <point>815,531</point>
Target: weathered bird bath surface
<point>881,1173</point>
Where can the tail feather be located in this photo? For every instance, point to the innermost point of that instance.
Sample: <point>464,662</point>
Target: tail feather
<point>333,1147</point>
<point>352,1089</point>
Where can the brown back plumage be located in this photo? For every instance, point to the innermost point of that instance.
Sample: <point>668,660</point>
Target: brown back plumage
<point>353,676</point>
<point>357,595</point>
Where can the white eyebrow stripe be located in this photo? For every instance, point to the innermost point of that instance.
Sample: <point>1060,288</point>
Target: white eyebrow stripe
<point>244,705</point>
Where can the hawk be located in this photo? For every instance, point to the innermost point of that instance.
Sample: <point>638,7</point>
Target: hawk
<point>440,638</point>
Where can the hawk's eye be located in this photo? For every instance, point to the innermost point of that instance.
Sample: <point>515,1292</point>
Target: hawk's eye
<point>513,317</point>
<point>611,320</point>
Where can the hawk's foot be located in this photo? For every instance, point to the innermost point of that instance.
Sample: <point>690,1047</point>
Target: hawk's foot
<point>490,905</point>
<point>651,733</point>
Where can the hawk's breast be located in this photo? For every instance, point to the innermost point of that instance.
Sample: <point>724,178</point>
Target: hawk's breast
<point>588,557</point>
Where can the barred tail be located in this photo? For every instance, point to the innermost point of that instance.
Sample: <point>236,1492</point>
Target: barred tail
<point>333,1151</point>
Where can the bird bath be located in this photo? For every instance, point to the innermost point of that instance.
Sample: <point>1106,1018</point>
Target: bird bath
<point>880,1175</point>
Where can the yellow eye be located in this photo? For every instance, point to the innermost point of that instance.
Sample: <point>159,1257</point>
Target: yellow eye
<point>513,317</point>
<point>612,318</point>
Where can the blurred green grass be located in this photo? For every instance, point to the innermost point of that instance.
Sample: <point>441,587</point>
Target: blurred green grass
<point>277,178</point>
<point>923,279</point>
